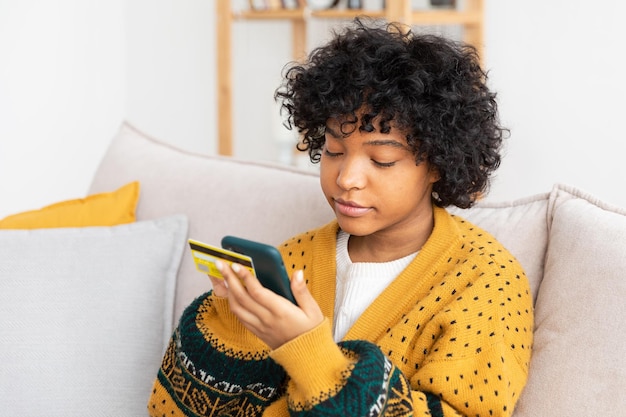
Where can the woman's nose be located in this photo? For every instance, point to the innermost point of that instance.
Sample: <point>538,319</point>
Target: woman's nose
<point>351,174</point>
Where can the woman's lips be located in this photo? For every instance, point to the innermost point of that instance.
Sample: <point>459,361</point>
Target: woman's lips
<point>350,209</point>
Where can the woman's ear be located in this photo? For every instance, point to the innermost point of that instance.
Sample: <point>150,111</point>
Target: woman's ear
<point>433,173</point>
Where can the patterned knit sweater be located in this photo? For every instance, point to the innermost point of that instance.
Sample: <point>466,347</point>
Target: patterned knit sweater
<point>451,335</point>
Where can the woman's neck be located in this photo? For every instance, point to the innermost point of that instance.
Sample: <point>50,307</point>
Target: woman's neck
<point>389,245</point>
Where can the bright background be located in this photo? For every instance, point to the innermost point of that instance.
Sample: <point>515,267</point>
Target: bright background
<point>72,70</point>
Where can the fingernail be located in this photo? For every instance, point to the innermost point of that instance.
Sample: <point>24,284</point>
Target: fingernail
<point>219,265</point>
<point>299,276</point>
<point>236,267</point>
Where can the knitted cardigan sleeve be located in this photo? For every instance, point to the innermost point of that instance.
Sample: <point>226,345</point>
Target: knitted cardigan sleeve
<point>214,366</point>
<point>351,378</point>
<point>203,375</point>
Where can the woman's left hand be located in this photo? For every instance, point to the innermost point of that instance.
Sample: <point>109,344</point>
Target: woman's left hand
<point>272,318</point>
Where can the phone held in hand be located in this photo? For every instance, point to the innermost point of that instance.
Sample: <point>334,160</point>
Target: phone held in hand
<point>262,260</point>
<point>268,264</point>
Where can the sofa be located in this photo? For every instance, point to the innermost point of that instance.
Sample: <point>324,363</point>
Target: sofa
<point>86,311</point>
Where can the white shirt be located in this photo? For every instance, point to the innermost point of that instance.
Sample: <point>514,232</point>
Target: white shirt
<point>358,284</point>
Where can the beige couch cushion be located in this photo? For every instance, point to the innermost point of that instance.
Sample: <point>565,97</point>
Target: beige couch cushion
<point>271,202</point>
<point>579,366</point>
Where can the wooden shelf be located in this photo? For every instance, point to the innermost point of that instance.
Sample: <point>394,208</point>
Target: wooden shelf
<point>281,14</point>
<point>346,13</point>
<point>470,18</point>
<point>446,17</point>
<point>421,17</point>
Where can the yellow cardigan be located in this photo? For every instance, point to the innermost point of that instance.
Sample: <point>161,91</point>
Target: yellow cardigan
<point>451,335</point>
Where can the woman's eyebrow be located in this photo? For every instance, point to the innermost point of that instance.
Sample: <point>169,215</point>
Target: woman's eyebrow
<point>373,142</point>
<point>387,142</point>
<point>334,134</point>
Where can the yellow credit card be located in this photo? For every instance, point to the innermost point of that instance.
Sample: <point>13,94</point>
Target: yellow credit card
<point>205,255</point>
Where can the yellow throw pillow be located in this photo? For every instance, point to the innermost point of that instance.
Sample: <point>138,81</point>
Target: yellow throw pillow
<point>103,209</point>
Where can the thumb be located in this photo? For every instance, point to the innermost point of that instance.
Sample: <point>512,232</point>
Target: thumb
<point>304,298</point>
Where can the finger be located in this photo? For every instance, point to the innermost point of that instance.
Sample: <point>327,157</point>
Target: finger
<point>304,298</point>
<point>243,292</point>
<point>252,285</point>
<point>230,280</point>
<point>220,288</point>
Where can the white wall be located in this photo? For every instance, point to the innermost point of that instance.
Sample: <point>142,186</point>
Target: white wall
<point>559,67</point>
<point>72,70</point>
<point>61,96</point>
<point>170,70</point>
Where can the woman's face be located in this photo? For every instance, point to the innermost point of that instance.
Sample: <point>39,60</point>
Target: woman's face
<point>373,184</point>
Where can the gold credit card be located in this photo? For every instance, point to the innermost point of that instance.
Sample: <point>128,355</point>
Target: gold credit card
<point>205,255</point>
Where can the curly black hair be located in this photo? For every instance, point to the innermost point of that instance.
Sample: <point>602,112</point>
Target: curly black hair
<point>432,88</point>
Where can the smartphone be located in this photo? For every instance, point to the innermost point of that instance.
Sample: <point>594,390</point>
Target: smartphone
<point>268,264</point>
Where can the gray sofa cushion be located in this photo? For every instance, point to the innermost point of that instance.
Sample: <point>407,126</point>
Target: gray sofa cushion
<point>85,315</point>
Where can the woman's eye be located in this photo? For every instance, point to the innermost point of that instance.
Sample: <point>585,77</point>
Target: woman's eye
<point>383,164</point>
<point>331,154</point>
